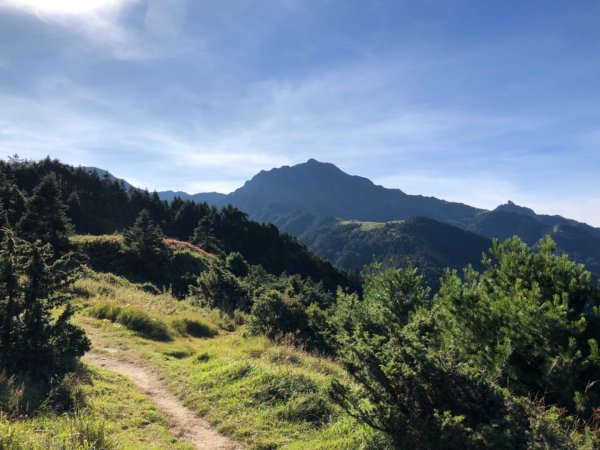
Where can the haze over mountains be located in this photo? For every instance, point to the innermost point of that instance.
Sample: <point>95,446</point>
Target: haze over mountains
<point>326,209</point>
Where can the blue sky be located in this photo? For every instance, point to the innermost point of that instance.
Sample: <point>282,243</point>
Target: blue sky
<point>478,101</point>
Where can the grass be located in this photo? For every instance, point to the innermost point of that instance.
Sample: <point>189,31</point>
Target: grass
<point>262,394</point>
<point>114,416</point>
<point>134,319</point>
<point>367,226</point>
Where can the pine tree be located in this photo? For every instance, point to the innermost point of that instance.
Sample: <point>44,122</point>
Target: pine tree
<point>32,290</point>
<point>147,252</point>
<point>46,216</point>
<point>12,202</point>
<point>145,239</point>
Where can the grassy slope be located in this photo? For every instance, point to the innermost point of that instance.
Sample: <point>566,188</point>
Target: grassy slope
<point>262,394</point>
<point>114,411</point>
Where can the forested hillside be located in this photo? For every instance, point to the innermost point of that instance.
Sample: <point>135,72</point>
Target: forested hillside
<point>97,205</point>
<point>293,197</point>
<point>430,245</point>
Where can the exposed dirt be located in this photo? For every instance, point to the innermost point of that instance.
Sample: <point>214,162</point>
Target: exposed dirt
<point>182,422</point>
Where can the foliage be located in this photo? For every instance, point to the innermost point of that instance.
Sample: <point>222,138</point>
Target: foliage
<point>468,370</point>
<point>216,287</point>
<point>102,205</point>
<point>45,217</point>
<point>33,288</point>
<point>294,309</point>
<point>144,239</point>
<point>104,254</point>
<point>12,201</point>
<point>230,230</point>
<point>237,265</point>
<point>522,321</point>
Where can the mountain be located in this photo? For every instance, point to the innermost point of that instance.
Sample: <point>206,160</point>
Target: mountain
<point>429,244</point>
<point>324,190</point>
<point>309,198</point>
<point>106,174</point>
<point>212,198</point>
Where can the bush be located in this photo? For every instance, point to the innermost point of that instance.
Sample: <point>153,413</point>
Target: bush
<point>216,287</point>
<point>277,314</point>
<point>468,371</point>
<point>134,319</point>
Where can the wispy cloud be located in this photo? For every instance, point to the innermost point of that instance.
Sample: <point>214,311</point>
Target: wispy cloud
<point>202,95</point>
<point>106,25</point>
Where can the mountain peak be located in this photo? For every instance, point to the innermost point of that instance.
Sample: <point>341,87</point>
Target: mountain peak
<point>512,207</point>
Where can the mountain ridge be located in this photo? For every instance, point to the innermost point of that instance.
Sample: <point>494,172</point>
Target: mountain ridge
<point>312,197</point>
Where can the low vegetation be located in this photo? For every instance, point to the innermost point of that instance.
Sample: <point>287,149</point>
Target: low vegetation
<point>134,319</point>
<point>264,394</point>
<point>94,409</point>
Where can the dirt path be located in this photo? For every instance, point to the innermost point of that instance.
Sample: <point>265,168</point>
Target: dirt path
<point>182,422</point>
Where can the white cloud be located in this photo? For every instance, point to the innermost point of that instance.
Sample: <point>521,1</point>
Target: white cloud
<point>105,25</point>
<point>48,9</point>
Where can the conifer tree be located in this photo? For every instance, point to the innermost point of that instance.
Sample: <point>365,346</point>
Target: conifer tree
<point>45,217</point>
<point>32,289</point>
<point>12,201</point>
<point>144,239</point>
<point>147,252</point>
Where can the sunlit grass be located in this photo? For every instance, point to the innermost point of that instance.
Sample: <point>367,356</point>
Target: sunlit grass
<point>263,394</point>
<point>114,416</point>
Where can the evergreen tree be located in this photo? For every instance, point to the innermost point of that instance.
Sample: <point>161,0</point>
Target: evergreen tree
<point>46,216</point>
<point>144,245</point>
<point>216,287</point>
<point>12,201</point>
<point>145,239</point>
<point>32,293</point>
<point>237,265</point>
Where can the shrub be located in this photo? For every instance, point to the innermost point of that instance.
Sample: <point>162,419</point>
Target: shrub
<point>465,371</point>
<point>218,288</point>
<point>277,314</point>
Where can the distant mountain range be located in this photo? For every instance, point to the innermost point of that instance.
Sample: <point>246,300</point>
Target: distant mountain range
<point>352,221</point>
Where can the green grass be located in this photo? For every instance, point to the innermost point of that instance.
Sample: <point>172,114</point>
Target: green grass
<point>368,226</point>
<point>114,416</point>
<point>259,393</point>
<point>135,319</point>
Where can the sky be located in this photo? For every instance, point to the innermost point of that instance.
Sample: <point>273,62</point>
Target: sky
<point>471,101</point>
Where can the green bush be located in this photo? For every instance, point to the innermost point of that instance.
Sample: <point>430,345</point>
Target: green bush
<point>134,319</point>
<point>216,287</point>
<point>276,314</point>
<point>475,368</point>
